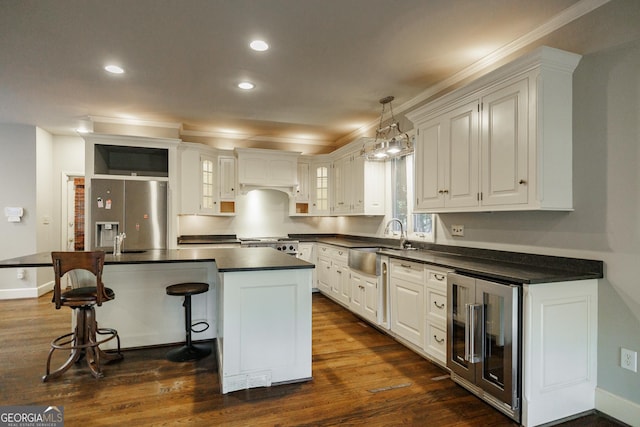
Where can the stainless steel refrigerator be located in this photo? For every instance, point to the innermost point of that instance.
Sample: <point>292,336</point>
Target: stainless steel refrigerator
<point>136,208</point>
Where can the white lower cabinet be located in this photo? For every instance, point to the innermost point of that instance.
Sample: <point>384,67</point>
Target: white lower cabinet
<point>306,252</point>
<point>559,350</point>
<point>364,296</point>
<point>417,296</point>
<point>407,301</point>
<point>333,273</point>
<point>435,344</point>
<point>323,271</point>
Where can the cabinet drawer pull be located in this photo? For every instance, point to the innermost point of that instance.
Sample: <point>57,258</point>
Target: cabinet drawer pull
<point>439,277</point>
<point>405,265</point>
<point>441,306</point>
<point>439,341</point>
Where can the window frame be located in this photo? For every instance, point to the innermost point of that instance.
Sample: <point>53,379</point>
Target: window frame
<point>410,224</point>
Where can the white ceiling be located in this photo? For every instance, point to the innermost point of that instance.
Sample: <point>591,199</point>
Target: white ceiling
<point>330,60</point>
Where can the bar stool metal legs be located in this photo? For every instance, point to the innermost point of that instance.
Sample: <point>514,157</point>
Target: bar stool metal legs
<point>189,351</point>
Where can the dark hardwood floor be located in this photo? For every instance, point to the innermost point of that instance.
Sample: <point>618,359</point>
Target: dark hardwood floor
<point>360,377</point>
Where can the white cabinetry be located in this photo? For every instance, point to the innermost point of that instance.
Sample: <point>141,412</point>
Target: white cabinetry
<point>190,180</point>
<point>359,186</point>
<point>300,203</point>
<point>323,270</point>
<point>364,296</point>
<point>407,288</point>
<point>333,273</point>
<point>207,181</point>
<point>228,184</point>
<point>302,193</point>
<point>258,168</point>
<point>504,142</point>
<point>447,158</point>
<point>306,252</point>
<point>435,344</point>
<point>320,183</point>
<point>559,358</point>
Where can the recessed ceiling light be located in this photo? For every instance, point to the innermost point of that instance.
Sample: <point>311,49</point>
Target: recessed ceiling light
<point>259,45</point>
<point>246,85</point>
<point>114,69</point>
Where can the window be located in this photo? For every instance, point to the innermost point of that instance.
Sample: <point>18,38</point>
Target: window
<point>419,226</point>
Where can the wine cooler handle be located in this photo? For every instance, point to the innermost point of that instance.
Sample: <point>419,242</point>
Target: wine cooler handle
<point>470,354</point>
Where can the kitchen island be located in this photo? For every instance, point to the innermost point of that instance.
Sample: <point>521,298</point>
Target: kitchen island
<point>258,307</point>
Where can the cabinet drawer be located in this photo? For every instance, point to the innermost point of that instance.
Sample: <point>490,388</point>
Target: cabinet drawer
<point>436,342</point>
<point>407,270</point>
<point>340,254</point>
<point>436,304</point>
<point>437,279</point>
<point>324,250</point>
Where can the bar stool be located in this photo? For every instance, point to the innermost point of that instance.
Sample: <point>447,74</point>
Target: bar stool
<point>189,351</point>
<point>83,341</point>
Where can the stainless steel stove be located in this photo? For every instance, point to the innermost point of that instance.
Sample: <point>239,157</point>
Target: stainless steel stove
<point>283,244</point>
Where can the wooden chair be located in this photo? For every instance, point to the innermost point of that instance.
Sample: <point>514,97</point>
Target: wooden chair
<point>83,341</point>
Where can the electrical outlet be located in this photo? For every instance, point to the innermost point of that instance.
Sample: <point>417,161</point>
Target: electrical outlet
<point>457,230</point>
<point>629,359</point>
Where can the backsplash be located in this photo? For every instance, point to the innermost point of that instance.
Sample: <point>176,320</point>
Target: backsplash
<point>263,213</point>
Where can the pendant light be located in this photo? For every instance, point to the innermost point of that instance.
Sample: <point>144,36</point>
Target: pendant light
<point>390,141</point>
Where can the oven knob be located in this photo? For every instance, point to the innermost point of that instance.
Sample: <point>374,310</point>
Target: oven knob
<point>291,248</point>
<point>278,248</point>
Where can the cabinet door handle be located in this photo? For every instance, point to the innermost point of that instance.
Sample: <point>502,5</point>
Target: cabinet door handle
<point>439,341</point>
<point>439,277</point>
<point>441,306</point>
<point>522,181</point>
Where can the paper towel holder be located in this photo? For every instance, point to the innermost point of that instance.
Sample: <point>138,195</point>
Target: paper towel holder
<point>13,214</point>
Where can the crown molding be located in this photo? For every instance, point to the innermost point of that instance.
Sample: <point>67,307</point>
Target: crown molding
<point>563,18</point>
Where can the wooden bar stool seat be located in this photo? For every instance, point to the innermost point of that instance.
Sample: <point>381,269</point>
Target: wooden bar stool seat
<point>189,351</point>
<point>83,341</point>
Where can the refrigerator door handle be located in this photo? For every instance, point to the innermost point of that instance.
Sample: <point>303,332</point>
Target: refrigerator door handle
<point>471,326</point>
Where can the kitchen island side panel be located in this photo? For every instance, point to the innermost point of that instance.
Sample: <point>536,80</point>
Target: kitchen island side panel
<point>265,328</point>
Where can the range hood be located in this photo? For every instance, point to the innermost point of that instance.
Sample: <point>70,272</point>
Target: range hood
<point>261,169</point>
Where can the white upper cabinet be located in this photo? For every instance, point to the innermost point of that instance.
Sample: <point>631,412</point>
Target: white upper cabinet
<point>505,145</point>
<point>320,179</point>
<point>447,159</point>
<point>358,186</point>
<point>303,191</point>
<point>207,181</point>
<point>227,174</point>
<point>504,142</point>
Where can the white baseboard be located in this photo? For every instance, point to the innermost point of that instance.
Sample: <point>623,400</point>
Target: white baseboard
<point>18,293</point>
<point>615,406</point>
<point>22,293</point>
<point>44,288</point>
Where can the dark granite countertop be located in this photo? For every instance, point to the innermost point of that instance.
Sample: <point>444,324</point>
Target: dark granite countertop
<point>227,259</point>
<point>512,267</point>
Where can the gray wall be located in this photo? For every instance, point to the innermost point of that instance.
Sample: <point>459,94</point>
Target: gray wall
<point>18,189</point>
<point>605,224</point>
